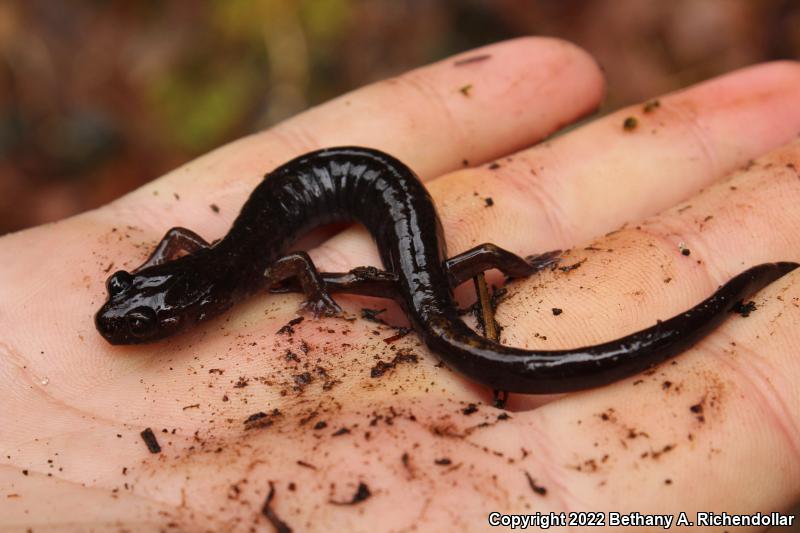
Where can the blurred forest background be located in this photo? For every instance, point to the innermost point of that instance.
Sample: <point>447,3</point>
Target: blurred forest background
<point>98,97</point>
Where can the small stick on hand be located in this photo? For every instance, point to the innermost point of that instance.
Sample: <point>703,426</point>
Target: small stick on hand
<point>490,329</point>
<point>486,310</point>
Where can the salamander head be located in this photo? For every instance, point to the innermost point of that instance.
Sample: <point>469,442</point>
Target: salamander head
<point>154,303</point>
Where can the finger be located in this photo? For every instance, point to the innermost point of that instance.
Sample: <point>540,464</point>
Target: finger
<point>593,179</point>
<point>730,398</point>
<point>435,118</point>
<point>669,262</point>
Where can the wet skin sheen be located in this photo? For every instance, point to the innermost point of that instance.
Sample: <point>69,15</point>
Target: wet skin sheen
<point>187,281</point>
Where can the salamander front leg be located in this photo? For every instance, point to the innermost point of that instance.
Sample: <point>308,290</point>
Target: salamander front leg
<point>300,266</point>
<point>485,256</point>
<point>175,242</point>
<point>365,281</point>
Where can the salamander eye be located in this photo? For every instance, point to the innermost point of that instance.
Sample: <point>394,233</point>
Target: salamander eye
<point>141,321</point>
<point>118,282</point>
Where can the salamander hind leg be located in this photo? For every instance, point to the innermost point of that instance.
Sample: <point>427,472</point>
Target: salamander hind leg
<point>175,242</point>
<point>299,265</point>
<point>365,281</point>
<point>486,256</point>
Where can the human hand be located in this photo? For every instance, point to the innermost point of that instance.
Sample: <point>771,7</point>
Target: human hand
<point>725,414</point>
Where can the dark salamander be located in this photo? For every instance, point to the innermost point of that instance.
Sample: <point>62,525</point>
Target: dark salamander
<point>186,280</point>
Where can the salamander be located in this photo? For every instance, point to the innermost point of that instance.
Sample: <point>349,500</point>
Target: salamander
<point>186,280</point>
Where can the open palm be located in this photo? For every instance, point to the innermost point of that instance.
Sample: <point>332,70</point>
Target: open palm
<point>351,427</point>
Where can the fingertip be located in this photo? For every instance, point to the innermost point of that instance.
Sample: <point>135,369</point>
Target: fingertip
<point>568,53</point>
<point>554,58</point>
<point>522,91</point>
<point>469,108</point>
<point>751,110</point>
<point>787,70</point>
